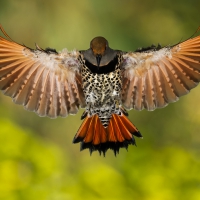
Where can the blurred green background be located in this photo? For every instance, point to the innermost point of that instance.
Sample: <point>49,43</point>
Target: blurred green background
<point>37,157</point>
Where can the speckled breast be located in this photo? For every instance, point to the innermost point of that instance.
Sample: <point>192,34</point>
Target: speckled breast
<point>103,91</point>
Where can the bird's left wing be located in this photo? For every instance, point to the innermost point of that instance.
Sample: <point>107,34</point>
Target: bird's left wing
<point>43,81</point>
<point>154,78</point>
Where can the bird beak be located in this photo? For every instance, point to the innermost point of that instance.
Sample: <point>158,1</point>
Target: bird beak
<point>98,58</point>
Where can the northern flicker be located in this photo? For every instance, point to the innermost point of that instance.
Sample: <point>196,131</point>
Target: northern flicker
<point>104,81</point>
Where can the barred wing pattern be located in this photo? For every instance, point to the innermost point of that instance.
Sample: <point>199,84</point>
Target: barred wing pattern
<point>152,79</point>
<point>45,82</point>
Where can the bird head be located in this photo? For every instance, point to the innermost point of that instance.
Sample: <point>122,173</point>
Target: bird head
<point>98,46</point>
<point>99,54</point>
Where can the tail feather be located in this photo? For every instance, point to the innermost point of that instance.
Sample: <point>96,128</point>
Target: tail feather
<point>129,126</point>
<point>97,131</point>
<point>126,135</point>
<point>83,130</point>
<point>91,130</point>
<point>111,132</point>
<point>102,133</point>
<point>118,134</point>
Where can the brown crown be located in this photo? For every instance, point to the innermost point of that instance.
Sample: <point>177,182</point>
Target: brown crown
<point>98,45</point>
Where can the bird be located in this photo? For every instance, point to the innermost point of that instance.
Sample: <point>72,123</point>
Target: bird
<point>107,83</point>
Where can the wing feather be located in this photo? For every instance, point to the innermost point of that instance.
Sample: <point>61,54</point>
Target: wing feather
<point>158,83</point>
<point>162,75</point>
<point>34,89</point>
<point>149,91</point>
<point>47,83</point>
<point>43,102</point>
<point>175,83</point>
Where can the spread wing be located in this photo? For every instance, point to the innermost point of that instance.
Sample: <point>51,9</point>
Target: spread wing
<point>154,78</point>
<point>43,81</point>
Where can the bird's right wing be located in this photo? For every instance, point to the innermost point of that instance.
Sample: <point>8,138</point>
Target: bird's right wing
<point>156,77</point>
<point>43,81</point>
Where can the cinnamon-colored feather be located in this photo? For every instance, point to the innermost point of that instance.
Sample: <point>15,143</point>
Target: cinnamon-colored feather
<point>114,128</point>
<point>153,79</point>
<point>81,133</point>
<point>118,134</point>
<point>47,83</point>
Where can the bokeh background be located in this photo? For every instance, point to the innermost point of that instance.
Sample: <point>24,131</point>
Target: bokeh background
<point>37,157</point>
